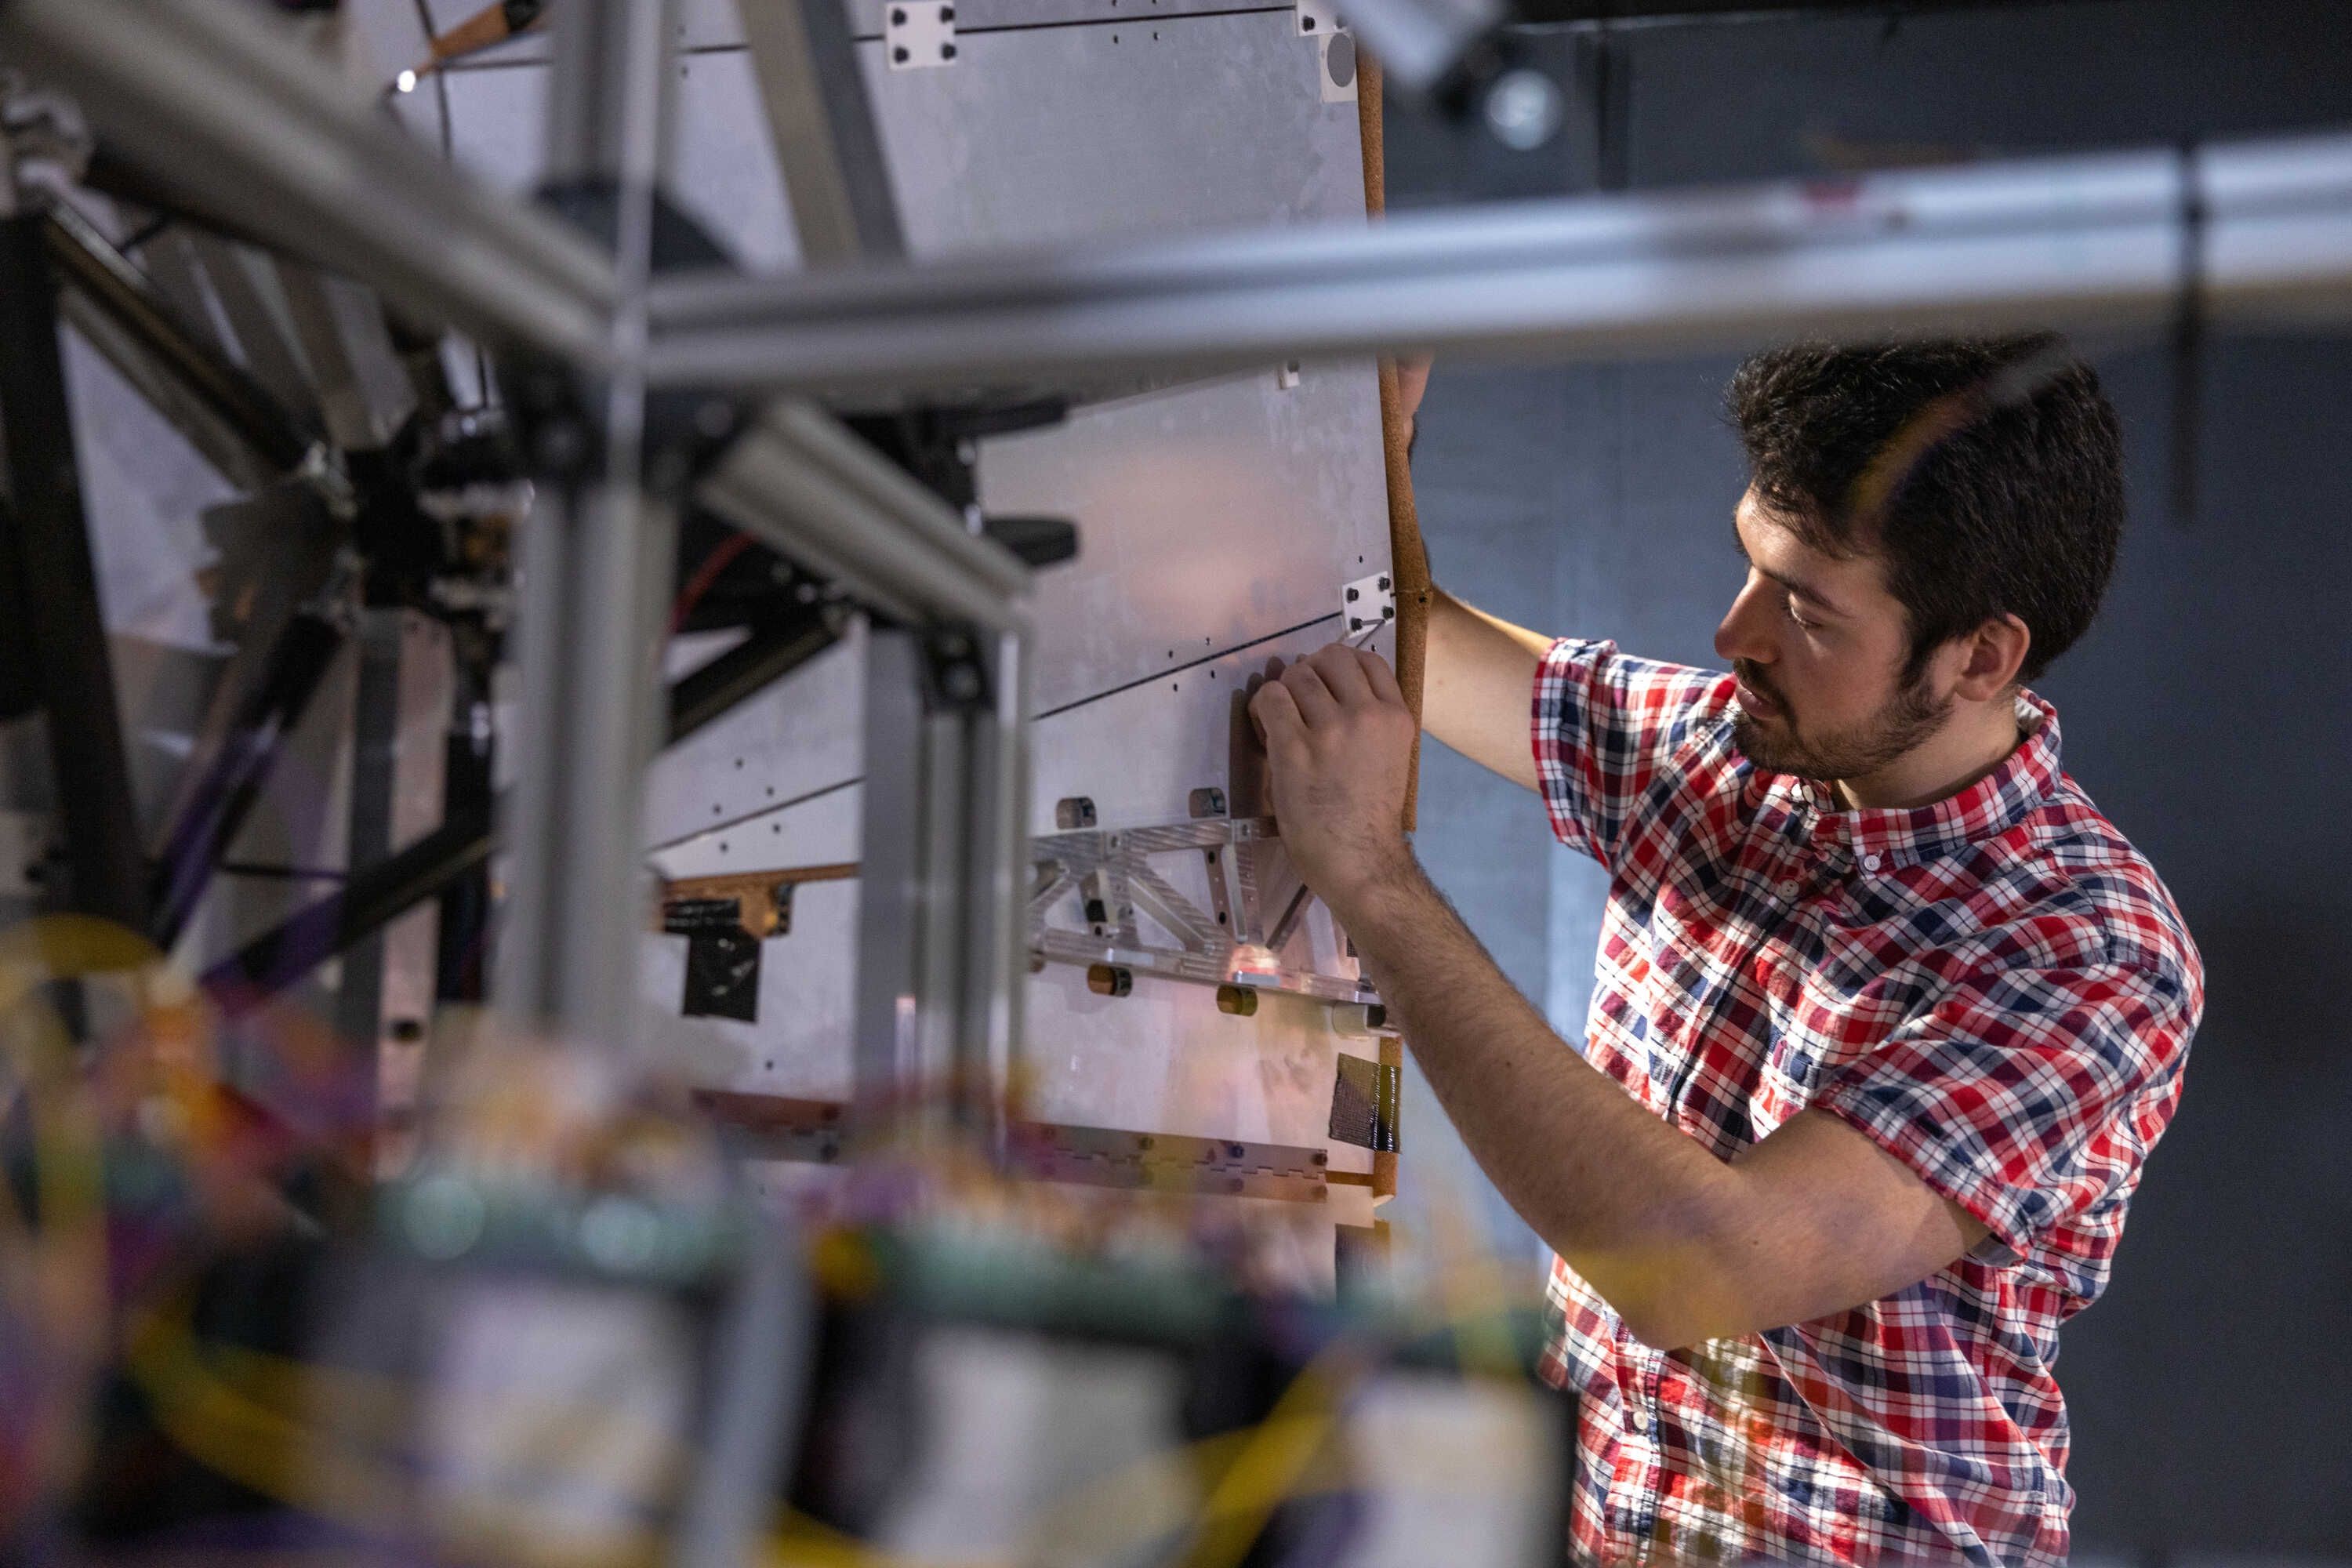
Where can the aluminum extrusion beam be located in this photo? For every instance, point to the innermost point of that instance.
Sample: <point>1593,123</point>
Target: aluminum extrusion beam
<point>108,285</point>
<point>836,178</point>
<point>809,489</point>
<point>596,563</point>
<point>213,100</point>
<point>2255,229</point>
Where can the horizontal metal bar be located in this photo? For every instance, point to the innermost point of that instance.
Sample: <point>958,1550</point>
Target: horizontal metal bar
<point>809,489</point>
<point>106,280</point>
<point>2093,241</point>
<point>215,102</point>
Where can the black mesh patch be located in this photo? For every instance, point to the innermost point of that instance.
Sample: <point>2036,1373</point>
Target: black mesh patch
<point>1364,1104</point>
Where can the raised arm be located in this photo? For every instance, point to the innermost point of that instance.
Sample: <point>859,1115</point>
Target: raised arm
<point>1479,685</point>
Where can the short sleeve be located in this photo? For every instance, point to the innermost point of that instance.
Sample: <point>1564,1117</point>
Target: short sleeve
<point>1605,728</point>
<point>2028,1096</point>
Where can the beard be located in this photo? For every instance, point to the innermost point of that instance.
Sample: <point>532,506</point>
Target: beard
<point>1778,743</point>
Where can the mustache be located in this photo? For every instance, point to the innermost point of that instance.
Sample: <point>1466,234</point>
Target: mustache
<point>1754,676</point>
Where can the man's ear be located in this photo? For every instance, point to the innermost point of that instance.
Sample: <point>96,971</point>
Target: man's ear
<point>1993,654</point>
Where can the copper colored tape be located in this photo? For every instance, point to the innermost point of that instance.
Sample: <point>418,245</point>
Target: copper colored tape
<point>1384,1161</point>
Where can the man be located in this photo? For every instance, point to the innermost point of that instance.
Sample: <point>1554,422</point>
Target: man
<point>1887,1015</point>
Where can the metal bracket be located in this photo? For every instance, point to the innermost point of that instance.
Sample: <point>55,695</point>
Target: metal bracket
<point>1317,18</point>
<point>778,1127</point>
<point>1225,946</point>
<point>919,35</point>
<point>1367,604</point>
<point>1163,1161</point>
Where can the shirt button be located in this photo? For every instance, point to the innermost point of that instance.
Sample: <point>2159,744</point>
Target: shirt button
<point>1788,890</point>
<point>1869,862</point>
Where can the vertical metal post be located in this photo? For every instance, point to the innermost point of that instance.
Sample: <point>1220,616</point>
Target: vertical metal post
<point>596,565</point>
<point>998,888</point>
<point>940,960</point>
<point>891,865</point>
<point>65,626</point>
<point>384,1005</point>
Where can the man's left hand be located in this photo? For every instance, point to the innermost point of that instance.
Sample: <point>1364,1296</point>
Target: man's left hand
<point>1339,741</point>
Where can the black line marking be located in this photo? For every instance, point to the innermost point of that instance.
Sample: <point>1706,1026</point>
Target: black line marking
<point>735,822</point>
<point>1194,664</point>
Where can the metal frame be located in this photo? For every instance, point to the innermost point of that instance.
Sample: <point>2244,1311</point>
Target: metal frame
<point>204,98</point>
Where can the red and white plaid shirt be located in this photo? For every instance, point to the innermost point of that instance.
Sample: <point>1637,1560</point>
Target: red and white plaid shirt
<point>1996,988</point>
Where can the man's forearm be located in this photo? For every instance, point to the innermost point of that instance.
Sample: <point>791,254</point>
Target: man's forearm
<point>1634,1207</point>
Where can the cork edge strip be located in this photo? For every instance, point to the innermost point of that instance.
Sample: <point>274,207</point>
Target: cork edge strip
<point>1408,561</point>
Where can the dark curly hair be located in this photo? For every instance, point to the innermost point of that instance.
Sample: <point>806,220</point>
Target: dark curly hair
<point>1988,472</point>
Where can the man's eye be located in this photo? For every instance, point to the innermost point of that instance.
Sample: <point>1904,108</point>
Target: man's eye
<point>1803,622</point>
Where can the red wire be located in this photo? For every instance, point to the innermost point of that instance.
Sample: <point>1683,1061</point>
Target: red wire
<point>706,574</point>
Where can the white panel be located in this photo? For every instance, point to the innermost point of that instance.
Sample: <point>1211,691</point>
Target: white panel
<point>1059,133</point>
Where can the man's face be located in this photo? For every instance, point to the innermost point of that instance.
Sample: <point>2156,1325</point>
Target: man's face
<point>1819,646</point>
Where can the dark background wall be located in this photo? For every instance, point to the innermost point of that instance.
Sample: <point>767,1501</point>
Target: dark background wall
<point>2207,712</point>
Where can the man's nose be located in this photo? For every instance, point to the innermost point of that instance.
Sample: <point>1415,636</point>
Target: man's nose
<point>1742,632</point>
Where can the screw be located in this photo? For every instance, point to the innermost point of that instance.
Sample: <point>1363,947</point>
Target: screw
<point>900,54</point>
<point>1352,596</point>
<point>947,12</point>
<point>898,15</point>
<point>1306,24</point>
<point>947,51</point>
<point>407,1030</point>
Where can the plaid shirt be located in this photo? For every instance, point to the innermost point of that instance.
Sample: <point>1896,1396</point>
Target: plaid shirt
<point>1996,989</point>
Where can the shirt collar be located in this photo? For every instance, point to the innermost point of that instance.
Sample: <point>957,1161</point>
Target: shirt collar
<point>1985,809</point>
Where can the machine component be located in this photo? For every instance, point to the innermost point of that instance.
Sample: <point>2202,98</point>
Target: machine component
<point>760,902</point>
<point>1226,945</point>
<point>722,959</point>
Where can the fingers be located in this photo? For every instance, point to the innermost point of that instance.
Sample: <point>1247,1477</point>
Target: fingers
<point>1357,674</point>
<point>1382,678</point>
<point>1326,683</point>
<point>1273,706</point>
<point>1343,673</point>
<point>1318,704</point>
